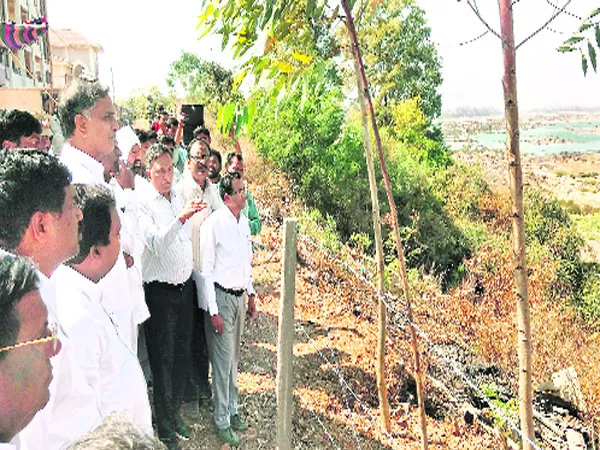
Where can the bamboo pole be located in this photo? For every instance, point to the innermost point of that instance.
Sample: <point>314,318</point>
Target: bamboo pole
<point>516,189</point>
<point>381,378</point>
<point>394,214</point>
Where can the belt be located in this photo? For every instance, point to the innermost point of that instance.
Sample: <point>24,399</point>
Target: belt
<point>234,292</point>
<point>174,287</point>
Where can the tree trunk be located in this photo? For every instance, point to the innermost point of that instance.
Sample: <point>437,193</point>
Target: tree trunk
<point>394,214</point>
<point>516,190</point>
<point>381,378</point>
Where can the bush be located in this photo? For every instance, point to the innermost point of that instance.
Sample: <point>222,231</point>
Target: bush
<point>321,150</point>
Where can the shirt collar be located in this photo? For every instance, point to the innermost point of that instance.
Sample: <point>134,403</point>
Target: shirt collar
<point>79,156</point>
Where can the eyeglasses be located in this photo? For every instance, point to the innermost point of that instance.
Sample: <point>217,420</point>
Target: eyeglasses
<point>51,336</point>
<point>239,191</point>
<point>198,158</point>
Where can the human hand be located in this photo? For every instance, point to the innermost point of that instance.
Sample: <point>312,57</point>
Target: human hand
<point>251,311</point>
<point>217,323</point>
<point>125,177</point>
<point>195,205</point>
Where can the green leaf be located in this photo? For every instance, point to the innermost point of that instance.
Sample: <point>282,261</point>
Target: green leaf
<point>310,8</point>
<point>565,49</point>
<point>584,64</point>
<point>585,26</point>
<point>594,13</point>
<point>574,40</point>
<point>592,55</point>
<point>598,35</point>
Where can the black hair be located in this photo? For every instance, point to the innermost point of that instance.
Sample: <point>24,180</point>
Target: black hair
<point>141,135</point>
<point>152,135</point>
<point>18,277</point>
<point>17,124</point>
<point>166,139</point>
<point>96,203</point>
<point>154,152</point>
<point>194,142</point>
<point>201,129</point>
<point>232,155</point>
<point>77,98</point>
<point>226,186</point>
<point>172,122</point>
<point>216,154</point>
<point>30,181</point>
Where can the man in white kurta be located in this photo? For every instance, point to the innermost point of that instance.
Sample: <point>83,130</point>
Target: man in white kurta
<point>88,118</point>
<point>50,238</point>
<point>108,362</point>
<point>195,184</point>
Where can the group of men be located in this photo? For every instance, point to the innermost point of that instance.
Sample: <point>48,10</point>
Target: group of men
<point>126,231</point>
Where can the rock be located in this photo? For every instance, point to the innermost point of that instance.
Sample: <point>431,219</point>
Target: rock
<point>568,387</point>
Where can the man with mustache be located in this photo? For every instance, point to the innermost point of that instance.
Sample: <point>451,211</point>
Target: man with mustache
<point>26,346</point>
<point>195,184</point>
<point>167,271</point>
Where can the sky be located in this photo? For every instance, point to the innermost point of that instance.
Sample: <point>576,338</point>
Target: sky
<point>142,37</point>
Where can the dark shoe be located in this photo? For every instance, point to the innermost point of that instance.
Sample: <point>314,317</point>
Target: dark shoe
<point>166,431</point>
<point>238,424</point>
<point>181,428</point>
<point>228,436</point>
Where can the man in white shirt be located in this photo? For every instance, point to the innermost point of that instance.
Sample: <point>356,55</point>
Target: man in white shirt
<point>26,346</point>
<point>226,256</point>
<point>107,360</point>
<point>167,270</point>
<point>89,123</point>
<point>39,219</point>
<point>195,184</point>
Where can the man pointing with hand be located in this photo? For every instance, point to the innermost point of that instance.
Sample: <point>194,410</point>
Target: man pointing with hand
<point>226,256</point>
<point>167,272</point>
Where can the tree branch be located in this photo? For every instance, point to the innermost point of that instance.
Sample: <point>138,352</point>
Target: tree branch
<point>482,20</point>
<point>548,22</point>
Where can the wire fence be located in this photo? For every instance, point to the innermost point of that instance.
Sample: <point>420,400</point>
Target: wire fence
<point>388,300</point>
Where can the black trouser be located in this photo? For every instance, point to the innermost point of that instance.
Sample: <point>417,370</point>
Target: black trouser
<point>168,336</point>
<point>198,385</point>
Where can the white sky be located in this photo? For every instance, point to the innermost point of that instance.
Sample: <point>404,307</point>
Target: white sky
<point>141,38</point>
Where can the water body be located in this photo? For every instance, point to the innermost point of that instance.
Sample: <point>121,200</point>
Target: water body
<point>583,137</point>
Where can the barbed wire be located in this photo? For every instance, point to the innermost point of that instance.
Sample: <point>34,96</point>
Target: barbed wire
<point>548,22</point>
<point>556,7</point>
<point>344,383</point>
<point>439,354</point>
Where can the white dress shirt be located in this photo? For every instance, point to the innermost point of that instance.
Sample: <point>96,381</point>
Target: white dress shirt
<point>84,169</point>
<point>107,361</point>
<point>167,255</point>
<point>73,408</point>
<point>226,254</point>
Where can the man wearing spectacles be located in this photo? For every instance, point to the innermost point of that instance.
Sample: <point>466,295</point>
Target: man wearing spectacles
<point>235,163</point>
<point>26,346</point>
<point>39,220</point>
<point>195,184</point>
<point>226,256</point>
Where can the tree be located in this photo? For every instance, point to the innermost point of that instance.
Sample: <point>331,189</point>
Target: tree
<point>202,81</point>
<point>401,61</point>
<point>143,104</point>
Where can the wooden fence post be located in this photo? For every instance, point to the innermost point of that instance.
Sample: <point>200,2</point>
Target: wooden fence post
<point>285,340</point>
